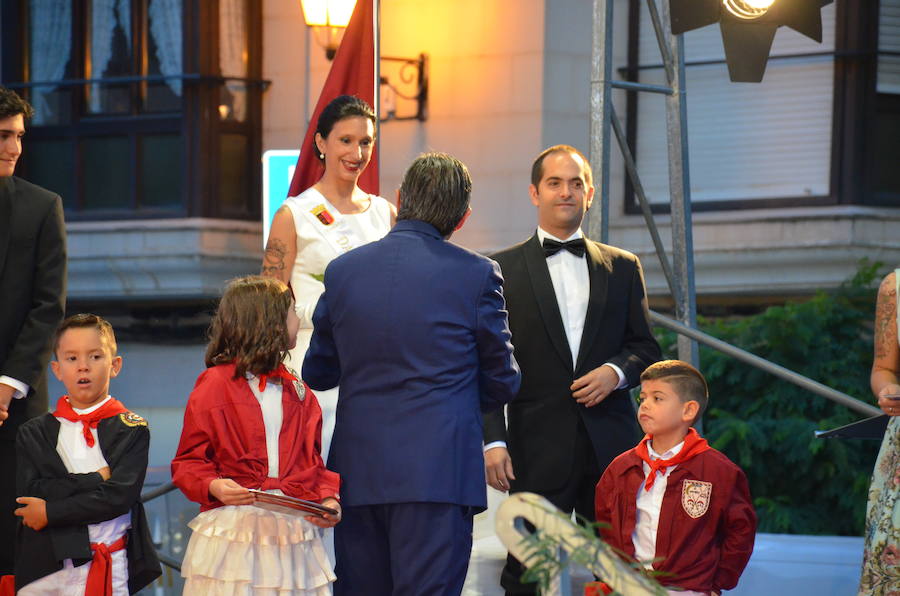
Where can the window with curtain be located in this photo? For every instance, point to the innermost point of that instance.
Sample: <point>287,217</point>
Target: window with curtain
<point>889,47</point>
<point>124,127</point>
<point>50,59</point>
<point>886,178</point>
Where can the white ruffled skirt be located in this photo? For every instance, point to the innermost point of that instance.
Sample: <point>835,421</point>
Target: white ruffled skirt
<point>249,551</point>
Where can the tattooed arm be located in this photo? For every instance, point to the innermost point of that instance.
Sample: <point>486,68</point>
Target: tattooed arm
<point>281,249</point>
<point>886,366</point>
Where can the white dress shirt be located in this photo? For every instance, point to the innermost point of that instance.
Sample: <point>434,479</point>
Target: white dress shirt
<point>649,504</point>
<point>572,286</point>
<point>270,403</point>
<point>81,459</point>
<point>20,389</point>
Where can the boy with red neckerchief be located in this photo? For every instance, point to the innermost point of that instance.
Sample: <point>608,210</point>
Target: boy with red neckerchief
<point>673,502</point>
<point>81,469</point>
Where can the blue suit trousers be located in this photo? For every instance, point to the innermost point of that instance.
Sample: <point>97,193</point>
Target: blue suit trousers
<point>403,549</point>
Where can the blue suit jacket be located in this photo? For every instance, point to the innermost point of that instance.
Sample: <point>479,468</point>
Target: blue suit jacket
<point>414,329</point>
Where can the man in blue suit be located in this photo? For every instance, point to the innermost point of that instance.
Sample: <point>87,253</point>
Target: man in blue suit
<point>414,330</point>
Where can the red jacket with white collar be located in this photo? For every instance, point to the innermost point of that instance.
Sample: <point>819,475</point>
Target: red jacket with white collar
<point>224,437</point>
<point>707,523</point>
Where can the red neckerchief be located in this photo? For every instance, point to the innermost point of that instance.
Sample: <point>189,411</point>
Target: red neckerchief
<point>280,372</point>
<point>112,407</point>
<point>694,444</point>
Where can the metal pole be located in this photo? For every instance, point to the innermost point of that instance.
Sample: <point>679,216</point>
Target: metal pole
<point>631,167</point>
<point>767,366</point>
<point>376,95</point>
<point>597,223</point>
<point>680,193</point>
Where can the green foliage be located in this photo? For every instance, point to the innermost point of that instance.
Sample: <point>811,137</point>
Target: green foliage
<point>800,484</point>
<point>584,549</point>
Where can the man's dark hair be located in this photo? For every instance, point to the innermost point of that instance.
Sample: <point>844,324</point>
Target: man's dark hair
<point>537,168</point>
<point>12,104</point>
<point>435,189</point>
<point>339,108</point>
<point>89,321</point>
<point>687,381</point>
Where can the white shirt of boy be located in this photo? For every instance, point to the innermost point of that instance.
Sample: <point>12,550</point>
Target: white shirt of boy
<point>81,459</point>
<point>649,504</point>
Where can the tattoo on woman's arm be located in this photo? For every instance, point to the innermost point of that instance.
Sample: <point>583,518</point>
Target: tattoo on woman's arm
<point>273,262</point>
<point>886,318</point>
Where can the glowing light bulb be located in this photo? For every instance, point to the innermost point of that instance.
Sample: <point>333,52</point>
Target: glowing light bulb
<point>748,9</point>
<point>760,3</point>
<point>329,13</point>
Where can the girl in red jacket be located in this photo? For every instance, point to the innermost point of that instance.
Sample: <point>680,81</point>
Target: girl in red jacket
<point>251,424</point>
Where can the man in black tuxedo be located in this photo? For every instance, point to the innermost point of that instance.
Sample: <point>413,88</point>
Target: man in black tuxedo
<point>580,328</point>
<point>32,302</point>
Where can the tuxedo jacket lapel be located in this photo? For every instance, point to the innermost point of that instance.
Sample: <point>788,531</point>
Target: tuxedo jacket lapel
<point>6,223</point>
<point>598,273</point>
<point>536,263</point>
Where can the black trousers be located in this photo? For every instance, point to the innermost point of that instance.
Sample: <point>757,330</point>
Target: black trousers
<point>577,495</point>
<point>7,505</point>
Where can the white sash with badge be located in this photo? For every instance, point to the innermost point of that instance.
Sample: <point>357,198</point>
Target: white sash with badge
<point>333,227</point>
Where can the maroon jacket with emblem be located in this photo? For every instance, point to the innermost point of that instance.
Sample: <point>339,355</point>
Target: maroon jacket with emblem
<point>224,437</point>
<point>702,553</point>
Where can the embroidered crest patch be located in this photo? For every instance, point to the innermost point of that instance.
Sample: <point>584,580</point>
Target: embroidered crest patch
<point>299,387</point>
<point>695,495</point>
<point>132,419</point>
<point>322,214</point>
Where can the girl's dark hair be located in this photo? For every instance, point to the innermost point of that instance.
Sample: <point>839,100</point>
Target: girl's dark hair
<point>343,106</point>
<point>249,327</point>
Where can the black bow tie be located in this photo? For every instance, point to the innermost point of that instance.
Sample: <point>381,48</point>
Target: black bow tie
<point>551,247</point>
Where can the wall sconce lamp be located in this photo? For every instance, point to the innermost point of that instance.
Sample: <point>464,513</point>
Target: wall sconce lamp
<point>748,27</point>
<point>328,19</point>
<point>402,81</point>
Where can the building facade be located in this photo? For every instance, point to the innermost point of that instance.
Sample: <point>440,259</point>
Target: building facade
<point>152,116</point>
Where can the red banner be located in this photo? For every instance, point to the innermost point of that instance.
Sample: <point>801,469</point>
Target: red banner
<point>352,73</point>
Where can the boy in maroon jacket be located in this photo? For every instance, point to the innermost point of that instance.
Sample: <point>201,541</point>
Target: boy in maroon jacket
<point>673,502</point>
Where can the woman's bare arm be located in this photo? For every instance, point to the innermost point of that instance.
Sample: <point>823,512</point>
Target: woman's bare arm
<point>886,364</point>
<point>281,248</point>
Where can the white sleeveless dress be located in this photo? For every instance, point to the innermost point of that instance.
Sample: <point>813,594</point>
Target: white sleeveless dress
<point>324,233</point>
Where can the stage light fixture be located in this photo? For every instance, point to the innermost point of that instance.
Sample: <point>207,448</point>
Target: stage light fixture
<point>748,27</point>
<point>747,9</point>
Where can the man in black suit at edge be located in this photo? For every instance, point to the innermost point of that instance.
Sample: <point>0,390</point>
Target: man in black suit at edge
<point>581,332</point>
<point>32,302</point>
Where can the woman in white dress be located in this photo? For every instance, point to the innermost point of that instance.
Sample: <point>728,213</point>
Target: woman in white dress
<point>326,220</point>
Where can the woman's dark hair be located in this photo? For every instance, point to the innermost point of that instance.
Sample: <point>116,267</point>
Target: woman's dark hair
<point>343,106</point>
<point>249,327</point>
